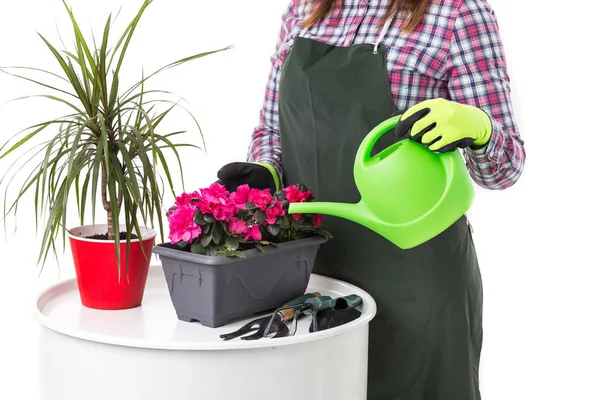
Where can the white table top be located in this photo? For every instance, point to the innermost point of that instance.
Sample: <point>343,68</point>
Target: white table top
<point>155,324</point>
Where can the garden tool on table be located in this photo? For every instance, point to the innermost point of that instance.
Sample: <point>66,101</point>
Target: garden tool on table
<point>343,310</point>
<point>309,307</point>
<point>275,323</point>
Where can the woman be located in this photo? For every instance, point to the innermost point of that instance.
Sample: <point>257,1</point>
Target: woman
<point>340,69</point>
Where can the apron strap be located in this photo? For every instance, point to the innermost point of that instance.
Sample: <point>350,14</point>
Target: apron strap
<point>382,34</point>
<point>289,43</point>
<point>380,38</point>
<point>306,28</point>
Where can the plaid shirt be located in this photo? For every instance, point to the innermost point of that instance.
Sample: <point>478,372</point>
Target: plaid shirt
<point>455,53</point>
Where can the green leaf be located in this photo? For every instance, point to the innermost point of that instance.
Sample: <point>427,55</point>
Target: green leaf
<point>206,240</point>
<point>79,36</point>
<point>324,233</point>
<point>279,195</point>
<point>114,91</point>
<point>127,35</point>
<point>199,218</point>
<point>232,243</point>
<point>238,254</point>
<point>95,178</point>
<point>260,216</point>
<point>37,82</point>
<point>295,224</point>
<point>165,165</point>
<point>274,229</point>
<point>174,64</point>
<point>84,192</point>
<point>211,251</point>
<point>218,233</point>
<point>209,218</point>
<point>197,248</point>
<point>133,186</point>
<point>70,72</point>
<point>23,141</point>
<point>101,71</point>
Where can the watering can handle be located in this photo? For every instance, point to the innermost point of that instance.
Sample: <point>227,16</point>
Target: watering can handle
<point>364,151</point>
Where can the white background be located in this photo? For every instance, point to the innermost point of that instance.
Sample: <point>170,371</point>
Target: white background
<point>537,241</point>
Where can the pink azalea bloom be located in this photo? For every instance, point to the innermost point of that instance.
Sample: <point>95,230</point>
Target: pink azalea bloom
<point>260,198</point>
<point>318,219</point>
<point>224,212</point>
<point>217,190</point>
<point>185,198</point>
<point>216,202</point>
<point>253,234</point>
<point>297,217</point>
<point>206,206</point>
<point>294,195</point>
<point>274,212</point>
<point>237,226</point>
<point>240,196</point>
<point>182,226</point>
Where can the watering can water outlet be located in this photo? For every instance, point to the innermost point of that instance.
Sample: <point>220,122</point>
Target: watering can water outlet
<point>409,194</point>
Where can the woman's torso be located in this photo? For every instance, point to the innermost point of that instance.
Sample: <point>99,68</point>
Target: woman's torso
<point>416,62</point>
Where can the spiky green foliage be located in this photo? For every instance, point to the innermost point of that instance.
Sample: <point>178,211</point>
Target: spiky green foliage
<point>110,141</point>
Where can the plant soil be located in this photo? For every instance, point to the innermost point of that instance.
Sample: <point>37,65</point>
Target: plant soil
<point>104,236</point>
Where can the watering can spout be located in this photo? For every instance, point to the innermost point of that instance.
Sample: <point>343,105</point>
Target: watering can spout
<point>347,211</point>
<point>356,212</point>
<point>403,235</point>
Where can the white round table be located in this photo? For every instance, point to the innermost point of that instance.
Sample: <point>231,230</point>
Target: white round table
<point>146,353</point>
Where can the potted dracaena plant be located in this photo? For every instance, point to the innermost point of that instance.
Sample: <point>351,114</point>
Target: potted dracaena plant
<point>108,149</point>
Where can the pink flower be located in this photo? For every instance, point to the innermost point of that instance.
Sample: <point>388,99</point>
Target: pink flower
<point>295,195</point>
<point>237,226</point>
<point>253,234</point>
<point>224,212</point>
<point>297,217</point>
<point>240,196</point>
<point>217,190</point>
<point>318,218</point>
<point>275,211</point>
<point>260,198</point>
<point>216,202</point>
<point>185,198</point>
<point>182,226</point>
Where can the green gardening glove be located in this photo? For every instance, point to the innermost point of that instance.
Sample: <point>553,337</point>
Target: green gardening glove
<point>443,125</point>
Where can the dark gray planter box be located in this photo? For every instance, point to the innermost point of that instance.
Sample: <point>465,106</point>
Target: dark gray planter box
<point>217,290</point>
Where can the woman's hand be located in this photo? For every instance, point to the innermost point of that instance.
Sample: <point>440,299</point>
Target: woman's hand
<point>256,175</point>
<point>443,125</point>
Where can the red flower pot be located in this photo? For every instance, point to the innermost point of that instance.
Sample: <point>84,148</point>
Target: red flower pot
<point>100,285</point>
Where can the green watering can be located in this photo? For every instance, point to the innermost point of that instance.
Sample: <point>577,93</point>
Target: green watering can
<point>409,194</point>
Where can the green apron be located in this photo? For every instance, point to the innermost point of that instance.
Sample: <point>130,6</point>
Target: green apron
<point>425,342</point>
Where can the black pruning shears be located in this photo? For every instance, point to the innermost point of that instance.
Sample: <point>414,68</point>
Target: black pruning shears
<point>310,306</point>
<point>272,325</point>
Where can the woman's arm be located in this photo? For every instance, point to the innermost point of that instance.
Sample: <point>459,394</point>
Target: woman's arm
<point>477,75</point>
<point>265,145</point>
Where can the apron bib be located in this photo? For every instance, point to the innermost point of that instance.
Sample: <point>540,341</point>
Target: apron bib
<point>425,342</point>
